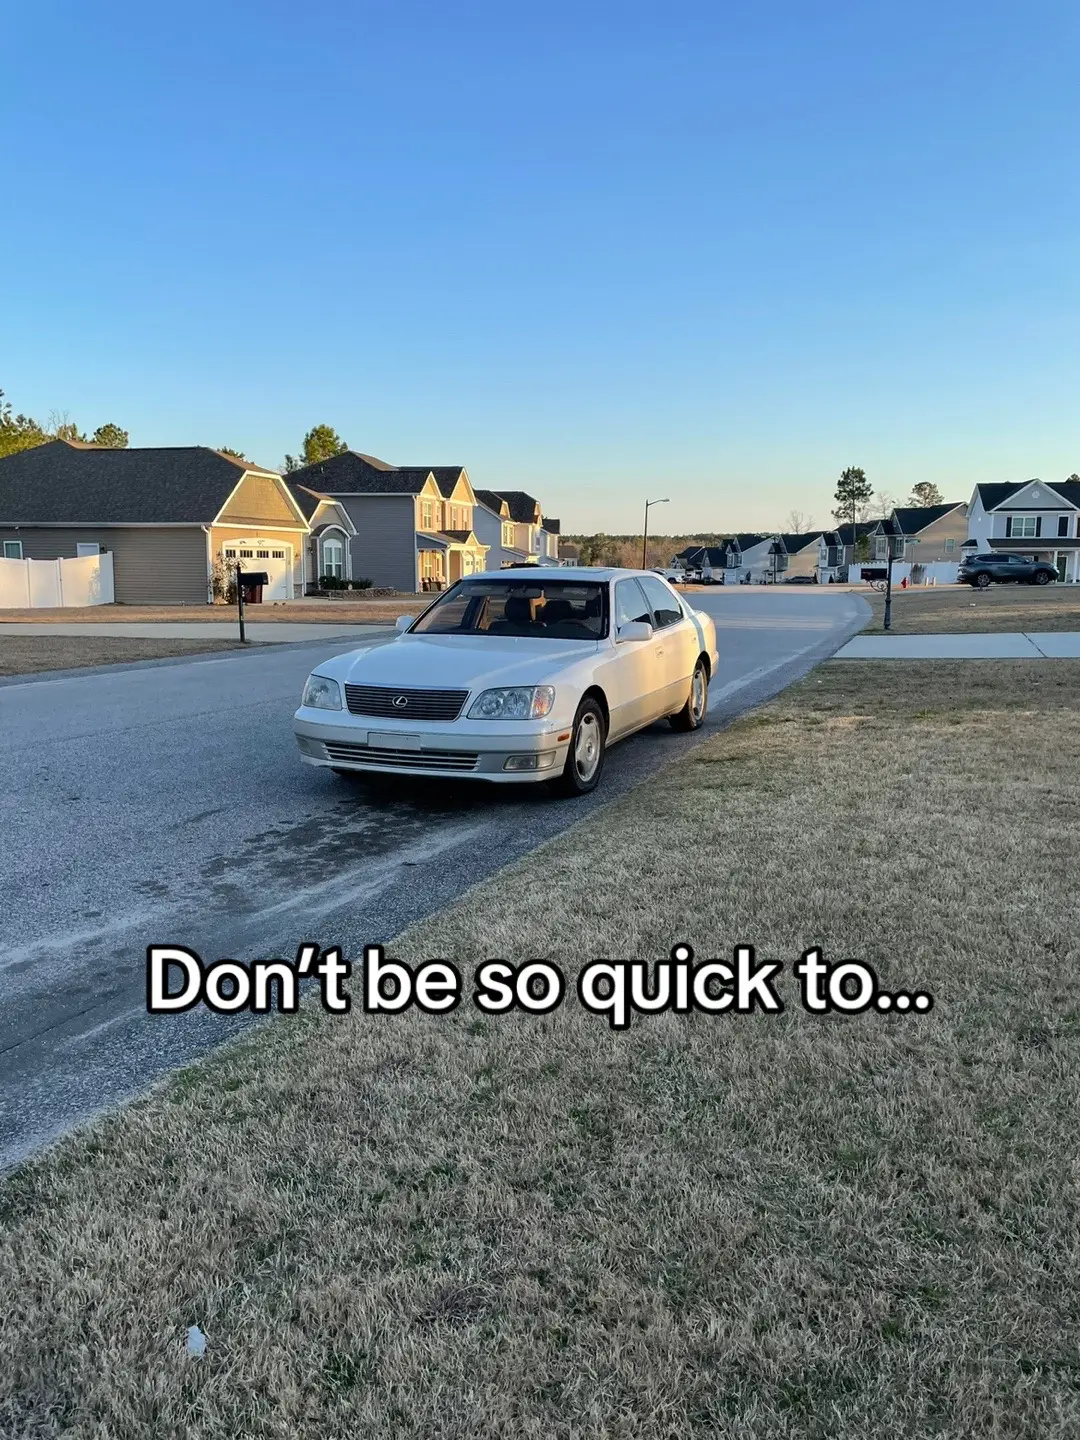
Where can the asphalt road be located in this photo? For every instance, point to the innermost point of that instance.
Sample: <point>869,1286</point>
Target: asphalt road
<point>164,803</point>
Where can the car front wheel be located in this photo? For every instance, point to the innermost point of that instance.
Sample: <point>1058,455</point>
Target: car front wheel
<point>585,758</point>
<point>1042,578</point>
<point>697,702</point>
<point>982,581</point>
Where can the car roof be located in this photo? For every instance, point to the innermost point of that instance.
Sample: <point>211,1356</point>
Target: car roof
<point>595,573</point>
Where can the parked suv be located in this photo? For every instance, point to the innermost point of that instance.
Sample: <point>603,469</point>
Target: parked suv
<point>984,570</point>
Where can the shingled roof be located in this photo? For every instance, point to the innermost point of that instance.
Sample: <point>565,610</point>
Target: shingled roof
<point>997,494</point>
<point>61,483</point>
<point>353,474</point>
<point>913,518</point>
<point>523,507</point>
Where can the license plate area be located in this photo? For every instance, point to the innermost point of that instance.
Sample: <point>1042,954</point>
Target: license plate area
<point>385,741</point>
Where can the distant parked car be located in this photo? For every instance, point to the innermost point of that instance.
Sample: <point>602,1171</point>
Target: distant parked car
<point>799,580</point>
<point>1002,567</point>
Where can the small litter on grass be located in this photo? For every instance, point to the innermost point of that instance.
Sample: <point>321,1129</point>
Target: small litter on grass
<point>196,1342</point>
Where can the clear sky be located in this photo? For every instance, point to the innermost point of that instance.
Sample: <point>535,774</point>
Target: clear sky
<point>711,251</point>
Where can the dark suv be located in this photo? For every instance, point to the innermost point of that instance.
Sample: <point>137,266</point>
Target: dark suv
<point>984,570</point>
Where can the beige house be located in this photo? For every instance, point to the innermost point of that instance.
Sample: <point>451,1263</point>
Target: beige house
<point>921,534</point>
<point>170,517</point>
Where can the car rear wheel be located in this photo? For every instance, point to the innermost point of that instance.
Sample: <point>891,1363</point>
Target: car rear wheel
<point>1042,578</point>
<point>697,702</point>
<point>982,581</point>
<point>585,758</point>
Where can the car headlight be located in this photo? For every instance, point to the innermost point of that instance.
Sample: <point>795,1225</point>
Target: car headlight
<point>521,702</point>
<point>322,693</point>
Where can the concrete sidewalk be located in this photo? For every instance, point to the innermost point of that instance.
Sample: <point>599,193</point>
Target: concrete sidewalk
<point>259,632</point>
<point>1045,645</point>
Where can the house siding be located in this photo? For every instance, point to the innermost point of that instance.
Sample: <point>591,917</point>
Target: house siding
<point>164,566</point>
<point>259,501</point>
<point>384,547</point>
<point>931,547</point>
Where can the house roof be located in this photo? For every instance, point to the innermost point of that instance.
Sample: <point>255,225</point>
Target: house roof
<point>353,474</point>
<point>994,495</point>
<point>747,542</point>
<point>62,483</point>
<point>523,507</point>
<point>551,525</point>
<point>459,537</point>
<point>490,500</point>
<point>794,543</point>
<point>308,500</point>
<point>847,534</point>
<point>912,518</point>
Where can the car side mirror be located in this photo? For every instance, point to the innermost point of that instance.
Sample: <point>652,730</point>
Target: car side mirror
<point>403,622</point>
<point>634,630</point>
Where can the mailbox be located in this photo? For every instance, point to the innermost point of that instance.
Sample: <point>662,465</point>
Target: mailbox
<point>252,582</point>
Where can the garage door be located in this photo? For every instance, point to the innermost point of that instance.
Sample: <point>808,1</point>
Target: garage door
<point>274,559</point>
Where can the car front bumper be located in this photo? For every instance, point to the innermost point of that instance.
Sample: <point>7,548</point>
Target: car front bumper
<point>460,750</point>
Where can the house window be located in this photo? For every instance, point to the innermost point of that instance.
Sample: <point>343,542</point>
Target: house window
<point>262,554</point>
<point>245,555</point>
<point>13,550</point>
<point>1024,527</point>
<point>950,546</point>
<point>1063,526</point>
<point>427,520</point>
<point>333,557</point>
<point>508,536</point>
<point>278,554</point>
<point>881,548</point>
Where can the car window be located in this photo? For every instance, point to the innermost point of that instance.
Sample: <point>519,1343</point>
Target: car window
<point>665,605</point>
<point>630,604</point>
<point>526,609</point>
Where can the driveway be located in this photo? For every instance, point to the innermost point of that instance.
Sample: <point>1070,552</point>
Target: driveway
<point>165,803</point>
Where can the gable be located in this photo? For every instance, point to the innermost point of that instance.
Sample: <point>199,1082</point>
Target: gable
<point>1035,495</point>
<point>258,500</point>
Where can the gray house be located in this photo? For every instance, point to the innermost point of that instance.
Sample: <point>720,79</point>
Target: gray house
<point>409,527</point>
<point>169,516</point>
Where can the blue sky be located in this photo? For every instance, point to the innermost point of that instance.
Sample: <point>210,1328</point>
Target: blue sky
<point>711,251</point>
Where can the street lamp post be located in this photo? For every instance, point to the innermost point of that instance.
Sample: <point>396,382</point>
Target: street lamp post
<point>645,536</point>
<point>908,540</point>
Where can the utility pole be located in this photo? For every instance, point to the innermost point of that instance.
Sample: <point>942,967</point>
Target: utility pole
<point>645,530</point>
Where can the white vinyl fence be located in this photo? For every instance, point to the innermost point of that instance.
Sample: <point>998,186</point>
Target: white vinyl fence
<point>44,584</point>
<point>935,572</point>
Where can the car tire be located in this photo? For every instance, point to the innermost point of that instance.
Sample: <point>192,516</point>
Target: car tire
<point>982,581</point>
<point>585,757</point>
<point>1042,578</point>
<point>694,711</point>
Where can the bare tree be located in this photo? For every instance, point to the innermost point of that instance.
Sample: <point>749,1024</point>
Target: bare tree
<point>798,523</point>
<point>883,507</point>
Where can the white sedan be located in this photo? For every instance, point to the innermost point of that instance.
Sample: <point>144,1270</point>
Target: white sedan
<point>514,677</point>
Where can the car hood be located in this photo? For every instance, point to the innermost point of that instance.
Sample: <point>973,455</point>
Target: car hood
<point>459,661</point>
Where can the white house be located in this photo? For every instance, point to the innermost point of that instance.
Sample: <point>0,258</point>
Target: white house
<point>1039,518</point>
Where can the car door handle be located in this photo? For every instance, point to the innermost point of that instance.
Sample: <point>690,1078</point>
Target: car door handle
<point>659,649</point>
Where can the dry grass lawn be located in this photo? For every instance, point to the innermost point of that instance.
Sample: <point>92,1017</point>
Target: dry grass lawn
<point>935,610</point>
<point>353,611</point>
<point>29,654</point>
<point>755,1227</point>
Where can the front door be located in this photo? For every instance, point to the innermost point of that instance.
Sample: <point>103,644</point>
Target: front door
<point>1061,560</point>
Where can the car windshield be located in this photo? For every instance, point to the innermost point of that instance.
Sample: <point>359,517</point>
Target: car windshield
<point>532,609</point>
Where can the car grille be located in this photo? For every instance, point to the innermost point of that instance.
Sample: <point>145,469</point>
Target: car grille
<point>402,759</point>
<point>384,702</point>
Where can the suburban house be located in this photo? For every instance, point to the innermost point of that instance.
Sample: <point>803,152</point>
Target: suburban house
<point>836,549</point>
<point>168,517</point>
<point>753,560</point>
<point>494,527</point>
<point>569,553</point>
<point>920,536</point>
<point>1039,518</point>
<point>798,555</point>
<point>412,525</point>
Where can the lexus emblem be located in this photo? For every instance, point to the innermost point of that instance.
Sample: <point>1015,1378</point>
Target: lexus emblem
<point>400,700</point>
